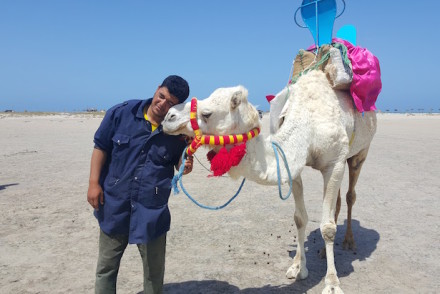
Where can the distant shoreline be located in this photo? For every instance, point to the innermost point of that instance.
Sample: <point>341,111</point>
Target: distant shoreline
<point>100,114</point>
<point>52,114</point>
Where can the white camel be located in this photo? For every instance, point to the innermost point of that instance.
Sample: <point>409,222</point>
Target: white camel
<point>321,130</point>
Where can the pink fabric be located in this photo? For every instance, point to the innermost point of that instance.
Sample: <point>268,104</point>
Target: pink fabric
<point>270,97</point>
<point>366,84</point>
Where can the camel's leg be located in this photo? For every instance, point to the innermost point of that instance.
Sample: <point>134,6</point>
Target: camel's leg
<point>354,169</point>
<point>298,270</point>
<point>322,254</point>
<point>338,207</point>
<point>332,182</point>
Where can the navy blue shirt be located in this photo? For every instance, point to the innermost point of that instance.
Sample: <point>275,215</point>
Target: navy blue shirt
<point>136,178</point>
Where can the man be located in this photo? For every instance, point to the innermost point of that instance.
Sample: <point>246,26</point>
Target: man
<point>131,170</point>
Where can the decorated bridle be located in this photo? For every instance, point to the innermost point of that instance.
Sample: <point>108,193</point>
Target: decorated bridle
<point>218,165</point>
<point>201,139</point>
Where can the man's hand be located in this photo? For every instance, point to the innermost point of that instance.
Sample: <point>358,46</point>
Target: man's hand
<point>188,165</point>
<point>95,195</point>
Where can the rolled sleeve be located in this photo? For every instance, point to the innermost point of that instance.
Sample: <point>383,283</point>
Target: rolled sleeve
<point>105,132</point>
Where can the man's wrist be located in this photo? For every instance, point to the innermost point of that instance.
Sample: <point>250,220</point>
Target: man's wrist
<point>94,183</point>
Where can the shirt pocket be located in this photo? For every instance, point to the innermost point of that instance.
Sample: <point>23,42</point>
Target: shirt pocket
<point>121,145</point>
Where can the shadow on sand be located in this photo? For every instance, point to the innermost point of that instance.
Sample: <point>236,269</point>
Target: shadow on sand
<point>3,187</point>
<point>366,241</point>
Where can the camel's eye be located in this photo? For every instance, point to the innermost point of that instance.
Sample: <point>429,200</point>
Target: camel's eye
<point>206,115</point>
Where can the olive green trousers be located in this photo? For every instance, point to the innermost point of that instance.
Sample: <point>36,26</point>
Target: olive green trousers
<point>111,249</point>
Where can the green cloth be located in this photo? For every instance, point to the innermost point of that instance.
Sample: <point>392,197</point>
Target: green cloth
<point>111,249</point>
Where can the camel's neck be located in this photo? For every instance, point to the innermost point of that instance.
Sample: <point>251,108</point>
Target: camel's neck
<point>260,165</point>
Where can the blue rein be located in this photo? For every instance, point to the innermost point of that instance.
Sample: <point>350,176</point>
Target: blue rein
<point>178,178</point>
<point>276,148</point>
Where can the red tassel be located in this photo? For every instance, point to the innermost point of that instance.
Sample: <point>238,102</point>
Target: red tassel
<point>222,162</point>
<point>236,154</point>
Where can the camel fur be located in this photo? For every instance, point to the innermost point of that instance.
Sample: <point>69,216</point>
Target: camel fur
<point>316,132</point>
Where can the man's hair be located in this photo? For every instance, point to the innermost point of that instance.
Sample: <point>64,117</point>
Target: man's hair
<point>177,87</point>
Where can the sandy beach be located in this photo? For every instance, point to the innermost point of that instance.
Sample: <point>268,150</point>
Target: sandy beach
<point>49,236</point>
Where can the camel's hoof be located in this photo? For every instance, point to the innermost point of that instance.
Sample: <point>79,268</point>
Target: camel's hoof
<point>295,272</point>
<point>332,290</point>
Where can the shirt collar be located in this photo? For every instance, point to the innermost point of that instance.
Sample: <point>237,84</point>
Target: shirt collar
<point>140,111</point>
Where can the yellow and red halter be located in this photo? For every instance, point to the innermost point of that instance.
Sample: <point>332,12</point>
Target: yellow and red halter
<point>200,139</point>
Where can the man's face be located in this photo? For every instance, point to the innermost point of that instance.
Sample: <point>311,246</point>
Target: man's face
<point>162,102</point>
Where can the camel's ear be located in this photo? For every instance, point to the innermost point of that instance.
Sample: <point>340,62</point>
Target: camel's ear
<point>236,99</point>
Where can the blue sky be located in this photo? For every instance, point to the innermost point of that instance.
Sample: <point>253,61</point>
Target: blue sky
<point>65,55</point>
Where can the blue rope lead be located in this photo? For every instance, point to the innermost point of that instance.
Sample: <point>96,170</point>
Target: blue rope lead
<point>178,178</point>
<point>276,146</point>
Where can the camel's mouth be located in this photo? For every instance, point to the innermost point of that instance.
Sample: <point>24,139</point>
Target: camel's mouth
<point>180,129</point>
<point>176,122</point>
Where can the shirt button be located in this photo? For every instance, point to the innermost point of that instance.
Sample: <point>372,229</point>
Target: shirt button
<point>142,151</point>
<point>119,142</point>
<point>136,178</point>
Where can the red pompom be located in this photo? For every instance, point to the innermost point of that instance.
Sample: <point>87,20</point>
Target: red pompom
<point>236,154</point>
<point>222,162</point>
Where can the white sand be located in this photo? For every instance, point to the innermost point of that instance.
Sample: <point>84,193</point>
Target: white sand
<point>48,235</point>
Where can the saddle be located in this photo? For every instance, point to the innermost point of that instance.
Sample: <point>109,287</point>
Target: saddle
<point>347,67</point>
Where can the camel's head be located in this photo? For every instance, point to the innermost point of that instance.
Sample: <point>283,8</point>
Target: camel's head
<point>226,111</point>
